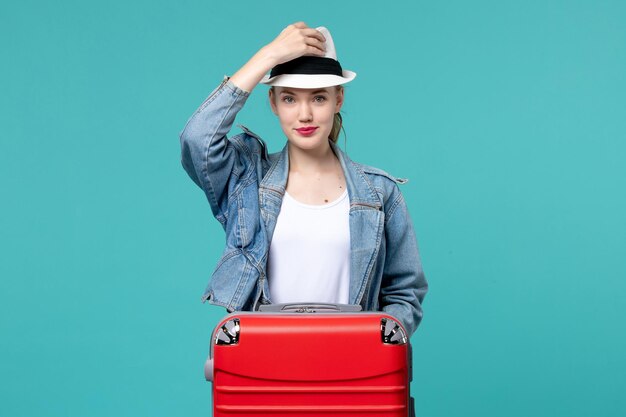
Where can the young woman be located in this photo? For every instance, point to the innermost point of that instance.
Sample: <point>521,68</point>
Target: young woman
<point>305,224</point>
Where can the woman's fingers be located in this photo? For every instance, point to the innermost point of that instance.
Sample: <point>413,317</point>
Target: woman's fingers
<point>315,41</point>
<point>315,46</point>
<point>294,26</point>
<point>305,30</point>
<point>314,33</point>
<point>298,39</point>
<point>300,25</point>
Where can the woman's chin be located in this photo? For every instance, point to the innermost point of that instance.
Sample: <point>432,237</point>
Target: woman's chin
<point>307,142</point>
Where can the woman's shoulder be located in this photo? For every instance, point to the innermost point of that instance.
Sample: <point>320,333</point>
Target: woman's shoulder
<point>386,186</point>
<point>380,174</point>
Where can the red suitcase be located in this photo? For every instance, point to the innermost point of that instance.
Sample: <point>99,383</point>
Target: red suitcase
<point>310,360</point>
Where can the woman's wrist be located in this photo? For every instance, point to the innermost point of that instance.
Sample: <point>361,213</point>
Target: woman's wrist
<point>267,55</point>
<point>254,70</point>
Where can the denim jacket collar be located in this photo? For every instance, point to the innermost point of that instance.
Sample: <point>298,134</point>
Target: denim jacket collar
<point>366,217</point>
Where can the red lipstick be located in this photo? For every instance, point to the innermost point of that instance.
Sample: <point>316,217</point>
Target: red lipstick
<point>306,131</point>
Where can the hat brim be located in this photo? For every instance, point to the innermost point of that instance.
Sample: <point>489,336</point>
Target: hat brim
<point>308,80</point>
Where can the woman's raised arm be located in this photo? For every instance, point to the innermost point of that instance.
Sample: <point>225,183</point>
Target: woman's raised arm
<point>206,153</point>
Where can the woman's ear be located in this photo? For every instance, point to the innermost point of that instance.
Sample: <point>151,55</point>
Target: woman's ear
<point>339,99</point>
<point>270,94</point>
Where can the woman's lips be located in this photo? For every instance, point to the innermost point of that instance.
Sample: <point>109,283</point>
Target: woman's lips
<point>306,131</point>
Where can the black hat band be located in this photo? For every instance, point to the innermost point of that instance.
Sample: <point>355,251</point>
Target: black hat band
<point>308,65</point>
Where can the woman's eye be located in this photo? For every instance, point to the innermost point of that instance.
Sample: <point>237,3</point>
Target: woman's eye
<point>317,99</point>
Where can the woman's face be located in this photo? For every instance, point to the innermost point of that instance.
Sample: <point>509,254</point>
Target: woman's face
<point>297,108</point>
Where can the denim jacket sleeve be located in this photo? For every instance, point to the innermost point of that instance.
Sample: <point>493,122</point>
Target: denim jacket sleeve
<point>403,285</point>
<point>207,154</point>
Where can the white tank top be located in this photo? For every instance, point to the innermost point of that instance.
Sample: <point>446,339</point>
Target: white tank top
<point>309,256</point>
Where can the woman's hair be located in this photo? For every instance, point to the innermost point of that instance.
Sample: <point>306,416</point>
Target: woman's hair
<point>337,121</point>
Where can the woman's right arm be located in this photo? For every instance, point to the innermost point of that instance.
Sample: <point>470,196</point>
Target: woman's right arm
<point>206,154</point>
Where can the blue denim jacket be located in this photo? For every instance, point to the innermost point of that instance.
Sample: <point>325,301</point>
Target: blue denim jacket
<point>245,186</point>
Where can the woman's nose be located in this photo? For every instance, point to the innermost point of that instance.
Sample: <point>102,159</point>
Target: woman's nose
<point>305,113</point>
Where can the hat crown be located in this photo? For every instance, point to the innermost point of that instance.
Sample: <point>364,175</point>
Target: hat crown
<point>331,52</point>
<point>311,70</point>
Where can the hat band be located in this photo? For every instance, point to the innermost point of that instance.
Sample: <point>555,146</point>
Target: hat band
<point>308,65</point>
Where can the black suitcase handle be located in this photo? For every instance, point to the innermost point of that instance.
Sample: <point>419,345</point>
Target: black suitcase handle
<point>309,308</point>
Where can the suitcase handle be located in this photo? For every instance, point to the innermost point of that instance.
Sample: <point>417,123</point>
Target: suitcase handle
<point>309,307</point>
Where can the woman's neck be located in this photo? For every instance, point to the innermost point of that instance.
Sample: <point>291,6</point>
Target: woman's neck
<point>312,161</point>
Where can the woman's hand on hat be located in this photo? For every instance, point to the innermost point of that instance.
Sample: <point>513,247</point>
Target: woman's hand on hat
<point>295,41</point>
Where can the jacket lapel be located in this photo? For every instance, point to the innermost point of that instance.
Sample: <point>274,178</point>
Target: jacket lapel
<point>366,225</point>
<point>272,190</point>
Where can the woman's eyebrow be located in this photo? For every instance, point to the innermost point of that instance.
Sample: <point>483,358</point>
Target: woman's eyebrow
<point>313,92</point>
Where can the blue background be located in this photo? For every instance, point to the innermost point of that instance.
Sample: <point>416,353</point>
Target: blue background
<point>508,118</point>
